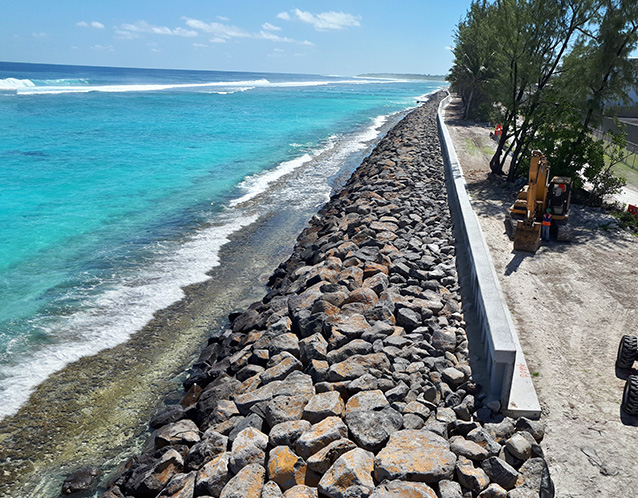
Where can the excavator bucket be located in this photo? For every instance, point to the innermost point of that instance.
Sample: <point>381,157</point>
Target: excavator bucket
<point>527,236</point>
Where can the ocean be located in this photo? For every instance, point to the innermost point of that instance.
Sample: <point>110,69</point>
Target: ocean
<point>120,187</point>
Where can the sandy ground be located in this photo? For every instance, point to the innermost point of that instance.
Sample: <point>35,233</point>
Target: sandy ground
<point>571,303</point>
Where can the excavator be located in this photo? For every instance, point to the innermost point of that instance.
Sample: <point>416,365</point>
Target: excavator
<point>524,217</point>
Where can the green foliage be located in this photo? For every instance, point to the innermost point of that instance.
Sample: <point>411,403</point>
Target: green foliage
<point>470,74</point>
<point>627,221</point>
<point>599,172</point>
<point>547,71</point>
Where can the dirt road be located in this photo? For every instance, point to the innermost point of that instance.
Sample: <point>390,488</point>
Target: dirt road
<point>571,303</point>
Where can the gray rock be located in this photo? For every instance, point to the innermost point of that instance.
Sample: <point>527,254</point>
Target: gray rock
<point>180,486</point>
<point>367,382</point>
<point>287,342</point>
<point>469,449</point>
<point>301,491</point>
<point>284,364</point>
<point>248,483</point>
<point>271,490</point>
<point>322,405</point>
<point>81,480</point>
<point>349,476</point>
<point>205,450</point>
<point>534,427</point>
<point>252,420</point>
<point>213,476</point>
<point>297,383</point>
<point>356,346</point>
<point>470,477</point>
<point>519,447</point>
<point>453,377</point>
<point>320,435</point>
<point>500,472</point>
<point>318,370</point>
<point>483,438</point>
<point>403,489</point>
<point>371,429</point>
<point>314,347</point>
<point>265,393</point>
<point>450,489</point>
<point>534,475</point>
<point>323,459</point>
<point>249,448</point>
<point>367,401</point>
<point>182,432</point>
<point>358,365</point>
<point>444,340</point>
<point>412,421</point>
<point>408,319</point>
<point>397,393</point>
<point>284,409</point>
<point>417,409</point>
<point>502,430</point>
<point>493,491</point>
<point>419,455</point>
<point>287,433</point>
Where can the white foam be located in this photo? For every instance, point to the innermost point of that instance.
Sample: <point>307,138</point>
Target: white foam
<point>117,313</point>
<point>54,87</point>
<point>258,183</point>
<point>137,88</point>
<point>15,83</point>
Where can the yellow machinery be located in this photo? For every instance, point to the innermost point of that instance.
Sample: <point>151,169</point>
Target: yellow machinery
<point>532,201</point>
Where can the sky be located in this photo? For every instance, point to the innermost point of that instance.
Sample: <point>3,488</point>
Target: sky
<point>346,37</point>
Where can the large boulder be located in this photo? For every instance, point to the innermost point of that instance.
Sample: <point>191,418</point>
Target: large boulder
<point>415,455</point>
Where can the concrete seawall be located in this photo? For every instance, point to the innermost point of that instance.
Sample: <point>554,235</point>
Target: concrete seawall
<point>509,377</point>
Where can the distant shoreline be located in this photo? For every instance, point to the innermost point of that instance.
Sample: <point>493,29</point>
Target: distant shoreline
<point>411,77</point>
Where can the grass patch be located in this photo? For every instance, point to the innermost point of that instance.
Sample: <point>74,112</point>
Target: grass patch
<point>473,148</point>
<point>627,221</point>
<point>628,169</point>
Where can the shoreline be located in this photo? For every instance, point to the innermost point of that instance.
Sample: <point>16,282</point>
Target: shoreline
<point>70,416</point>
<point>353,371</point>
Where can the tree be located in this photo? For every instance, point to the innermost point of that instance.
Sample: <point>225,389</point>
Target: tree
<point>470,73</point>
<point>535,36</point>
<point>595,75</point>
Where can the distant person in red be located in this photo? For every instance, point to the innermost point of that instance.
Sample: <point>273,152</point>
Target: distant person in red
<point>547,223</point>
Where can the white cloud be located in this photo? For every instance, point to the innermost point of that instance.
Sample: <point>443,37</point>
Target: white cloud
<point>125,35</point>
<point>449,48</point>
<point>144,27</point>
<point>106,48</point>
<point>264,35</point>
<point>92,24</point>
<point>222,18</point>
<point>270,27</point>
<point>39,35</point>
<point>325,20</point>
<point>222,31</point>
<point>199,45</point>
<point>283,15</point>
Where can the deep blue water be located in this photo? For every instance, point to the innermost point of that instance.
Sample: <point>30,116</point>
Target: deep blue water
<point>119,186</point>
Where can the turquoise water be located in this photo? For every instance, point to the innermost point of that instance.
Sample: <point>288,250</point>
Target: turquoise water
<point>119,186</point>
